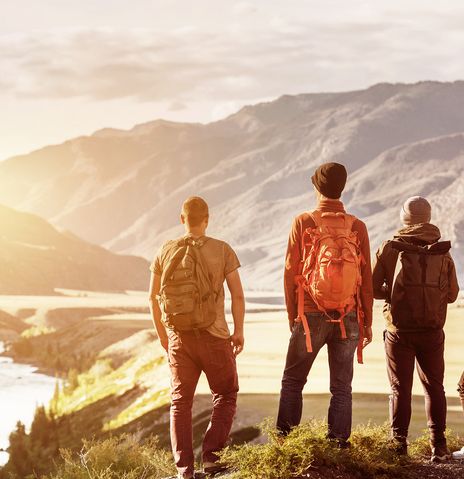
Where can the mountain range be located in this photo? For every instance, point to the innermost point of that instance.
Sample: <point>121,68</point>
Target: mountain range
<point>123,189</point>
<point>36,258</point>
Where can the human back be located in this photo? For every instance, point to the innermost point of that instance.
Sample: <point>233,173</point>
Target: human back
<point>419,278</point>
<point>219,259</point>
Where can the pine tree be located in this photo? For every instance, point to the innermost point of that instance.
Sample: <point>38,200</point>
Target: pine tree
<point>20,461</point>
<point>55,402</point>
<point>40,428</point>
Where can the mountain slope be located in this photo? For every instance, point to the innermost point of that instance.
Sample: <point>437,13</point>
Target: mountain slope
<point>35,258</point>
<point>123,189</point>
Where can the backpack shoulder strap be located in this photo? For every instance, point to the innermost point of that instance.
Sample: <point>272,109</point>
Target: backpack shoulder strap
<point>316,216</point>
<point>441,247</point>
<point>203,270</point>
<point>407,247</point>
<point>176,258</point>
<point>350,220</point>
<point>396,272</point>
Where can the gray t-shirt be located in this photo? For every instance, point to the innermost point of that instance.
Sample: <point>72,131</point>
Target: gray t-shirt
<point>221,260</point>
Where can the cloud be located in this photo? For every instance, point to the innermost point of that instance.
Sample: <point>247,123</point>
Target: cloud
<point>177,106</point>
<point>240,63</point>
<point>244,8</point>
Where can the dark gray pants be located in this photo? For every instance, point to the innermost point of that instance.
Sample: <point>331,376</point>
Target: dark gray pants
<point>426,351</point>
<point>299,362</point>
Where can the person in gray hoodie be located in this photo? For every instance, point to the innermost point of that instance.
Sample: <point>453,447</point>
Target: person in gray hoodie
<point>415,275</point>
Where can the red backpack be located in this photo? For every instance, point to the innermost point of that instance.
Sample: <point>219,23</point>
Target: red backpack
<point>330,271</point>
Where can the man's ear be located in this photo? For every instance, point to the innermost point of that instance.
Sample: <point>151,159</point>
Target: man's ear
<point>182,219</point>
<point>206,220</point>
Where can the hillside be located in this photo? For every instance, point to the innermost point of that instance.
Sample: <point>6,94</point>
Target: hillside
<point>36,258</point>
<point>123,189</point>
<point>116,379</point>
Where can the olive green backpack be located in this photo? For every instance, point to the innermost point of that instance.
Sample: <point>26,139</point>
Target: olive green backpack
<point>187,298</point>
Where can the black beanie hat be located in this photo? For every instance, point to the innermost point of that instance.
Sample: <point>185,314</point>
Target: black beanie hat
<point>330,179</point>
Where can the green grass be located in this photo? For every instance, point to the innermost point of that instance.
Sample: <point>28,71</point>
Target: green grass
<point>302,453</point>
<point>142,405</point>
<point>99,382</point>
<point>37,331</point>
<point>307,449</point>
<point>420,447</point>
<point>116,458</point>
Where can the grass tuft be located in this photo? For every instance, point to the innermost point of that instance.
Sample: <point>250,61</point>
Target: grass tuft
<point>307,449</point>
<point>420,448</point>
<point>116,458</point>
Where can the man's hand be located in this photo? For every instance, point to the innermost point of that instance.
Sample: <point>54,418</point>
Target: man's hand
<point>291,323</point>
<point>237,340</point>
<point>367,336</point>
<point>238,310</point>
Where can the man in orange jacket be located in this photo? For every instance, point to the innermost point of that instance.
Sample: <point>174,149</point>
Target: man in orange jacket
<point>329,181</point>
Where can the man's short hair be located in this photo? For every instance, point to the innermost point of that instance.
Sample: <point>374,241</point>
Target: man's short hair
<point>195,210</point>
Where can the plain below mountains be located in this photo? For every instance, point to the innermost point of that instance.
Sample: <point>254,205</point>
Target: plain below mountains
<point>36,258</point>
<point>123,189</point>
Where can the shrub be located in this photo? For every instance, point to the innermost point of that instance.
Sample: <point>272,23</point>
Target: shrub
<point>306,446</point>
<point>116,458</point>
<point>421,447</point>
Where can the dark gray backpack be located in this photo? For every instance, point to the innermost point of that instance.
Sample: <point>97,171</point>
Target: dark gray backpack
<point>186,296</point>
<point>419,297</point>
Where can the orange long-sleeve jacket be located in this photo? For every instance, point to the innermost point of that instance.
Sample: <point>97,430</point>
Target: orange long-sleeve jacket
<point>293,261</point>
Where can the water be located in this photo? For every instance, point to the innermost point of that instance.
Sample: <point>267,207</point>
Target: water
<point>21,390</point>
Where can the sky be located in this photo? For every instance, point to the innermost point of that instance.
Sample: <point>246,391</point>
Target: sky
<point>69,68</point>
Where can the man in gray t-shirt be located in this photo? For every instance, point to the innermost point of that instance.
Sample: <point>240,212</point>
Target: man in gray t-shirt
<point>212,350</point>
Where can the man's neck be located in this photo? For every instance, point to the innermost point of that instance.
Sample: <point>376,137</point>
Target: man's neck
<point>195,233</point>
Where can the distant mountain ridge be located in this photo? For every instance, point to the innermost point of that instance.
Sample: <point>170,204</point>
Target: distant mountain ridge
<point>35,258</point>
<point>123,189</point>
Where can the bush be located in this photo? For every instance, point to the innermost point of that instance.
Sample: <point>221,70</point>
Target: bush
<point>421,447</point>
<point>306,447</point>
<point>119,457</point>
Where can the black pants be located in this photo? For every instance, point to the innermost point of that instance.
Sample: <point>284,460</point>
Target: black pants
<point>426,350</point>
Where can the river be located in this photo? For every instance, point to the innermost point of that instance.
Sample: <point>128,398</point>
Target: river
<point>21,390</point>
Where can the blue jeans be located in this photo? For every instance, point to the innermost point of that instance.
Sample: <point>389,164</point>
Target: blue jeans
<point>299,362</point>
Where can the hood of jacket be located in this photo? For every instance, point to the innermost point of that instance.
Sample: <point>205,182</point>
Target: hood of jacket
<point>423,233</point>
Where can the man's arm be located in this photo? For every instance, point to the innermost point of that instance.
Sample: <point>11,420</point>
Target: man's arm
<point>238,310</point>
<point>453,290</point>
<point>292,264</point>
<point>155,284</point>
<point>379,278</point>
<point>367,295</point>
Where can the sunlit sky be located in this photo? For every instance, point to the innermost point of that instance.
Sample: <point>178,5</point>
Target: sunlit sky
<point>68,68</point>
